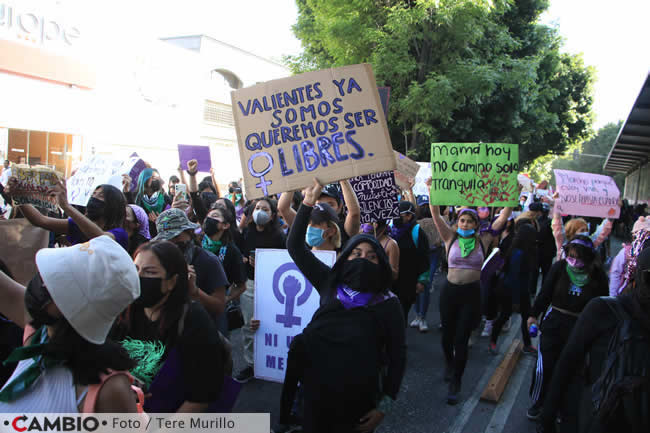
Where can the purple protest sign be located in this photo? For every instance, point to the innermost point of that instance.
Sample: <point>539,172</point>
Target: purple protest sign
<point>377,195</point>
<point>187,152</point>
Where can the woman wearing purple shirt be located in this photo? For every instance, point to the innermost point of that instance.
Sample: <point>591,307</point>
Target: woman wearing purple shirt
<point>105,214</point>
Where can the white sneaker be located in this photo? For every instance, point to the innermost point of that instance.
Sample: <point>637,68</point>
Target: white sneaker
<point>487,329</point>
<point>424,327</point>
<point>416,322</point>
<point>506,326</point>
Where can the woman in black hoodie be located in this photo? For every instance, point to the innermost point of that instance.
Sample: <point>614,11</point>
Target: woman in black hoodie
<point>590,339</point>
<point>357,332</point>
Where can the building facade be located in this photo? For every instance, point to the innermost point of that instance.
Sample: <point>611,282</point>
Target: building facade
<point>69,92</point>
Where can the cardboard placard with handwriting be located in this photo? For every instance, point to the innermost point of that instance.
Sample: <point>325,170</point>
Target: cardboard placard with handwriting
<point>474,174</point>
<point>326,124</point>
<point>406,169</point>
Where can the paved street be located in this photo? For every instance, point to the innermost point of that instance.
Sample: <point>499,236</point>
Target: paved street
<point>421,405</point>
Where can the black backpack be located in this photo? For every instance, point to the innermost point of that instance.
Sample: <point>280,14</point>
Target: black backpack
<point>622,392</point>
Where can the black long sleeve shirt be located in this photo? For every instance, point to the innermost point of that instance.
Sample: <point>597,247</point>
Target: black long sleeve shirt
<point>325,280</point>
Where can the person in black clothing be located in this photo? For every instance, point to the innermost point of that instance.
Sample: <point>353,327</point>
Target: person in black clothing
<point>173,225</point>
<point>510,290</point>
<point>413,258</point>
<point>590,337</point>
<point>218,240</point>
<point>184,368</point>
<point>263,231</point>
<point>360,278</point>
<point>569,286</point>
<point>546,249</point>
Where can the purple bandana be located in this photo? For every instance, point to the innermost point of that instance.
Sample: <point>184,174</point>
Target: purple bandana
<point>583,243</point>
<point>353,298</point>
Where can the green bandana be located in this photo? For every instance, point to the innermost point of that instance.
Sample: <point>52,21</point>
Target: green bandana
<point>579,278</point>
<point>24,380</point>
<point>210,245</point>
<point>466,245</point>
<point>154,204</point>
<point>147,355</point>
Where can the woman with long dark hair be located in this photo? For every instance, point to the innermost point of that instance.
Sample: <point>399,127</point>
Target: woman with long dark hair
<point>460,297</point>
<point>180,357</point>
<point>105,214</point>
<point>66,360</point>
<point>569,286</point>
<point>263,231</point>
<point>339,355</point>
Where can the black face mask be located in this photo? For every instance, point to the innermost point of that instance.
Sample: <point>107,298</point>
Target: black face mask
<point>155,185</point>
<point>36,299</point>
<point>209,198</point>
<point>95,208</point>
<point>210,226</point>
<point>150,293</point>
<point>362,275</point>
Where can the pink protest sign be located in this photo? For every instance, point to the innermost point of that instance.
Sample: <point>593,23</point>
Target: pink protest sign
<point>586,194</point>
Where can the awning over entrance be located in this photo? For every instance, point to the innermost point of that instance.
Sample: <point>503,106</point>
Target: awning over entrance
<point>632,146</point>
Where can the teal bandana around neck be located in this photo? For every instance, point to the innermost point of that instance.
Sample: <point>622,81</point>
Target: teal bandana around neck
<point>36,351</point>
<point>210,245</point>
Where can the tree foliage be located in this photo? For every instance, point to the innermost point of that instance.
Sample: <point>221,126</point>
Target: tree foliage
<point>590,156</point>
<point>459,70</point>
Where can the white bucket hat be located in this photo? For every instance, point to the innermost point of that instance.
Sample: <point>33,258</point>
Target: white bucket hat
<point>90,283</point>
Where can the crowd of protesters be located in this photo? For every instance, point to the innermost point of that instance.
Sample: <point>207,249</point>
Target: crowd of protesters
<point>131,306</point>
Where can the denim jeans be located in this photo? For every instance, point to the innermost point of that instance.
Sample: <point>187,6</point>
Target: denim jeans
<point>422,300</point>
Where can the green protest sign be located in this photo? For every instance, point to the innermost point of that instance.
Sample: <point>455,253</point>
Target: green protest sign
<point>474,174</point>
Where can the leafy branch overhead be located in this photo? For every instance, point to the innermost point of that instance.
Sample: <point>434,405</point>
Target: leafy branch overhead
<point>459,70</point>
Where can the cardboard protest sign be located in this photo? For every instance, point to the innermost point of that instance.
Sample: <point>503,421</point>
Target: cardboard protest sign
<point>98,170</point>
<point>406,169</point>
<point>377,195</point>
<point>325,124</point>
<point>33,186</point>
<point>474,174</point>
<point>20,242</point>
<point>285,302</point>
<point>424,173</point>
<point>586,194</point>
<point>187,153</point>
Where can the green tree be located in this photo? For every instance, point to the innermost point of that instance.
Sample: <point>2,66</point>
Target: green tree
<point>459,70</point>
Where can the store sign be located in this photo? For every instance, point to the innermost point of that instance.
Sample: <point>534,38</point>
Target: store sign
<point>36,40</point>
<point>33,27</point>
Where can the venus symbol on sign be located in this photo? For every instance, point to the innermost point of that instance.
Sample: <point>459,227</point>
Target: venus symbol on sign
<point>291,286</point>
<point>260,174</point>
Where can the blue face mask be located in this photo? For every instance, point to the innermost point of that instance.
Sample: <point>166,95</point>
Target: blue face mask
<point>314,236</point>
<point>583,234</point>
<point>465,233</point>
